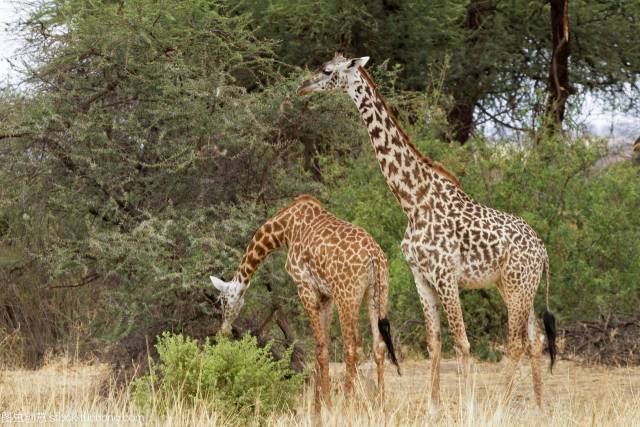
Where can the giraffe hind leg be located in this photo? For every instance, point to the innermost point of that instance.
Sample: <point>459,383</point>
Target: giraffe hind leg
<point>533,348</point>
<point>348,323</point>
<point>379,348</point>
<point>518,314</point>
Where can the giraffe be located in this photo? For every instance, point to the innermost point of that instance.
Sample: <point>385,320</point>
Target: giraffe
<point>451,241</point>
<point>330,260</point>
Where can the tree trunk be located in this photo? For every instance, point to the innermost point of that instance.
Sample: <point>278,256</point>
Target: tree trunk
<point>465,89</point>
<point>460,120</point>
<point>558,88</point>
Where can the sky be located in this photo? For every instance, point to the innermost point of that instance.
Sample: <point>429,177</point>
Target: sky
<point>601,122</point>
<point>9,42</point>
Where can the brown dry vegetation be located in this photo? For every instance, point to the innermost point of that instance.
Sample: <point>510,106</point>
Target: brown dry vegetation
<point>574,395</point>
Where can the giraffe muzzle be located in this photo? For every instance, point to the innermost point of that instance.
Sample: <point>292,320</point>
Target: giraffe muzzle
<point>225,329</point>
<point>305,89</point>
<point>308,86</point>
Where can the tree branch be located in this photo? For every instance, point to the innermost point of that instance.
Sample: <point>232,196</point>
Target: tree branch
<point>85,281</point>
<point>14,135</point>
<point>500,122</point>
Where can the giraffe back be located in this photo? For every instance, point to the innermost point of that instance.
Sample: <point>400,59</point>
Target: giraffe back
<point>337,255</point>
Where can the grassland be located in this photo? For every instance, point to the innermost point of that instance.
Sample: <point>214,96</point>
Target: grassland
<point>69,393</point>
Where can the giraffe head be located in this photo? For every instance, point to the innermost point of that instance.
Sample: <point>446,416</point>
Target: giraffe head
<point>232,299</point>
<point>337,74</point>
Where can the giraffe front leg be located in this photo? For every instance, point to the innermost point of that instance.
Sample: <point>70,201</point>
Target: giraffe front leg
<point>429,300</point>
<point>432,328</point>
<point>326,314</point>
<point>447,290</point>
<point>316,307</point>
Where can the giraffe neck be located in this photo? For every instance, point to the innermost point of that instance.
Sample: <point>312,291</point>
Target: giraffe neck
<point>272,235</point>
<point>408,173</point>
<point>282,230</point>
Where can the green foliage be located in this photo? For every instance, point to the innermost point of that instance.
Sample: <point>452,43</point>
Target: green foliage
<point>151,144</point>
<point>235,378</point>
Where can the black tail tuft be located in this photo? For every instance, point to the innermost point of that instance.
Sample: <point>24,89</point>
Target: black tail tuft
<point>385,330</point>
<point>550,330</point>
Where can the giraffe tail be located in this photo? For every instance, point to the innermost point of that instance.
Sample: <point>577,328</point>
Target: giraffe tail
<point>549,321</point>
<point>385,330</point>
<point>384,327</point>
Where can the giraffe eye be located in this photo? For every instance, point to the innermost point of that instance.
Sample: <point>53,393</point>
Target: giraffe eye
<point>326,72</point>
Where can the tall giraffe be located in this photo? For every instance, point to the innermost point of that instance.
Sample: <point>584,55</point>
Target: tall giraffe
<point>451,241</point>
<point>330,260</point>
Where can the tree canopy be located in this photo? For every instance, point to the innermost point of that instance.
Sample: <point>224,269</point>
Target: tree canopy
<point>490,57</point>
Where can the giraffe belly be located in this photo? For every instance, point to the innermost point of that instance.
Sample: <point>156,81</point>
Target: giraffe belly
<point>323,288</point>
<point>320,285</point>
<point>477,279</point>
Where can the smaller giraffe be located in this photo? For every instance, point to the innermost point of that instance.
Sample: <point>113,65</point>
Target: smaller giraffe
<point>329,259</point>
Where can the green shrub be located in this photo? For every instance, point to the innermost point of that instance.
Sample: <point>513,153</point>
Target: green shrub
<point>235,378</point>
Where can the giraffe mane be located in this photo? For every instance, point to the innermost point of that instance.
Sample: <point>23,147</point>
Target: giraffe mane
<point>306,198</point>
<point>300,199</point>
<point>438,167</point>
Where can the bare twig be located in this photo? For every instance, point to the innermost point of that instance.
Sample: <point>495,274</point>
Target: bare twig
<point>85,281</point>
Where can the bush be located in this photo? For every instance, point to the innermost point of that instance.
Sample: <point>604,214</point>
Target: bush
<point>235,378</point>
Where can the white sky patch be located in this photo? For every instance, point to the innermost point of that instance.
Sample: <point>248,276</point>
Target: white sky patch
<point>10,13</point>
<point>600,119</point>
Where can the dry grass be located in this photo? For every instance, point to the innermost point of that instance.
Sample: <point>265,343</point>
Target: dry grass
<point>69,394</point>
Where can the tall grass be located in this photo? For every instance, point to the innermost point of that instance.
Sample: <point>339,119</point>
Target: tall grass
<point>72,393</point>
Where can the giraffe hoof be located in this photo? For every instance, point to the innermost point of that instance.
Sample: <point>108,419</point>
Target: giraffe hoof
<point>434,410</point>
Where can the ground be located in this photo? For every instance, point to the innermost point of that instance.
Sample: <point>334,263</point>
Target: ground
<point>66,393</point>
<point>567,378</point>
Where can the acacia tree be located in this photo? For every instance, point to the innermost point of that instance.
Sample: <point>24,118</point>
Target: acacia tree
<point>494,56</point>
<point>141,131</point>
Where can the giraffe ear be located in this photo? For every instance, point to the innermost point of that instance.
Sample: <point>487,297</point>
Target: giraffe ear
<point>359,62</point>
<point>219,284</point>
